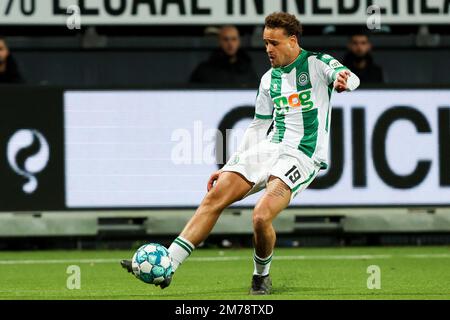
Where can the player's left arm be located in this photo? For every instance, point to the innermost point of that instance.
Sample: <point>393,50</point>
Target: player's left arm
<point>256,131</point>
<point>333,71</point>
<point>346,81</point>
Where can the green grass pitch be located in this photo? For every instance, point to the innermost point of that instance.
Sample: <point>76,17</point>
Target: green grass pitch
<point>298,273</point>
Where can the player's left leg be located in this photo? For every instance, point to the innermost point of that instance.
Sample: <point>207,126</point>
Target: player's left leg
<point>275,199</point>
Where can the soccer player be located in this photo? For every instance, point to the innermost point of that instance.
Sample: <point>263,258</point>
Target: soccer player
<point>295,95</point>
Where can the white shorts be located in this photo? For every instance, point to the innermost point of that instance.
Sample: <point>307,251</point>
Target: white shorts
<point>267,159</point>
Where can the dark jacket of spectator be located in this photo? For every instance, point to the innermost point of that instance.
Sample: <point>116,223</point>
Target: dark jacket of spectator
<point>218,69</point>
<point>11,73</point>
<point>371,73</point>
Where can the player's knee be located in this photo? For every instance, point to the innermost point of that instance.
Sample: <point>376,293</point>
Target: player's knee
<point>262,217</point>
<point>214,200</point>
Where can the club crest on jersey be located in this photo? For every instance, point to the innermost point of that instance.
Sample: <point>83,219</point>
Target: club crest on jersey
<point>303,79</point>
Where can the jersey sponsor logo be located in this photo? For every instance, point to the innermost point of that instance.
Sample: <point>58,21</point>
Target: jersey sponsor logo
<point>295,100</point>
<point>327,57</point>
<point>303,79</point>
<point>335,64</point>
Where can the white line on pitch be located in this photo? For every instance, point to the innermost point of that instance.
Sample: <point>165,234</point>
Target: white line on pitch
<point>235,258</point>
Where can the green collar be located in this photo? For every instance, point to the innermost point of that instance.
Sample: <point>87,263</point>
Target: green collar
<point>297,62</point>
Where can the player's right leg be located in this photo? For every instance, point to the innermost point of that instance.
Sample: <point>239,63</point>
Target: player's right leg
<point>230,187</point>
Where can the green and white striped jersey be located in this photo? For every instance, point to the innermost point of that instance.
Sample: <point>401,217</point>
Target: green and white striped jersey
<point>297,98</point>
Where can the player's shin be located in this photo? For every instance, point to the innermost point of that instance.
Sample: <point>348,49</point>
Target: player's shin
<point>264,241</point>
<point>179,250</point>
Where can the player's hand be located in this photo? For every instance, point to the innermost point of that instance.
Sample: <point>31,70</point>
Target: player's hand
<point>340,84</point>
<point>213,179</point>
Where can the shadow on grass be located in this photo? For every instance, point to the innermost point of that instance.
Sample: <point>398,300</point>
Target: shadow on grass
<point>238,293</point>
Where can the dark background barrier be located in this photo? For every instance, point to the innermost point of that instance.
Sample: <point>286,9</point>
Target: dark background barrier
<point>147,67</point>
<point>32,149</point>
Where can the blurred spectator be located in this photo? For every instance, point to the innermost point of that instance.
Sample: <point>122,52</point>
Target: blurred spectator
<point>9,72</point>
<point>228,64</point>
<point>359,59</point>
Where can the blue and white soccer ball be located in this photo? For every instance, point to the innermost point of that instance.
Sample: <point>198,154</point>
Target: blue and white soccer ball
<point>151,263</point>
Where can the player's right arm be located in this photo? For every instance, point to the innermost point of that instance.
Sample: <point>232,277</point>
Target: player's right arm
<point>258,128</point>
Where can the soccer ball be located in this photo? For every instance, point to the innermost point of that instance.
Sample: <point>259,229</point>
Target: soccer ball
<point>151,263</point>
